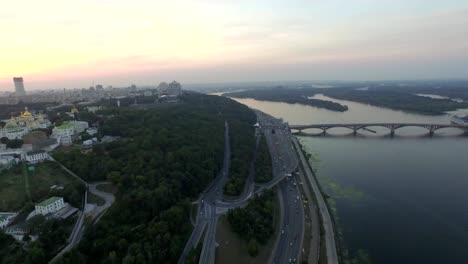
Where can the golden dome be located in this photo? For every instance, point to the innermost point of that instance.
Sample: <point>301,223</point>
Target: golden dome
<point>26,113</point>
<point>26,116</point>
<point>11,123</point>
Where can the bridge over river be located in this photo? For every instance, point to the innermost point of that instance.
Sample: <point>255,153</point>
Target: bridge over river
<point>392,127</point>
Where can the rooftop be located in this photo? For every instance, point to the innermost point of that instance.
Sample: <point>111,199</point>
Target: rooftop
<point>49,201</point>
<point>35,152</point>
<point>65,125</point>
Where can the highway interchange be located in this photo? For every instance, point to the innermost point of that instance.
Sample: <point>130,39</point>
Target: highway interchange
<point>289,242</point>
<point>289,245</point>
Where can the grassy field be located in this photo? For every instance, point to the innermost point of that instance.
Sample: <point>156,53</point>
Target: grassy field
<point>233,250</point>
<point>12,189</point>
<point>15,182</point>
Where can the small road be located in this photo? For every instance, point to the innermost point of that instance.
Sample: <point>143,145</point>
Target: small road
<point>78,230</point>
<point>214,193</point>
<point>109,199</point>
<point>332,257</point>
<point>74,239</point>
<point>207,216</point>
<point>223,205</point>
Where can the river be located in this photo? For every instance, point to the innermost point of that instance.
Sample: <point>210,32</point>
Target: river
<point>396,200</point>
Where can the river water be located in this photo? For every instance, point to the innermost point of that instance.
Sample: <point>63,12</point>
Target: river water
<point>398,200</point>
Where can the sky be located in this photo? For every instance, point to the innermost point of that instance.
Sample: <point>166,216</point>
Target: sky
<point>73,44</point>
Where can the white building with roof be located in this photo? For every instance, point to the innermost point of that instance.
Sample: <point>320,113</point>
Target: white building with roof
<point>175,89</point>
<point>67,130</point>
<point>51,205</point>
<point>5,218</point>
<point>35,156</point>
<point>80,126</point>
<point>3,221</point>
<point>171,90</point>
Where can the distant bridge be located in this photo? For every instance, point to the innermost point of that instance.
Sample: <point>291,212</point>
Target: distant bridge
<point>392,127</point>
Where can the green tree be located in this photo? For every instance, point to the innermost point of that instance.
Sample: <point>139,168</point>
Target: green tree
<point>36,255</point>
<point>253,247</point>
<point>26,237</point>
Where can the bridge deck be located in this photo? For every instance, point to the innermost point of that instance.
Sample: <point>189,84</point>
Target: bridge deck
<point>392,126</point>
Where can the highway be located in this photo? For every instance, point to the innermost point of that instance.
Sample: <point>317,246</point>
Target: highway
<point>286,171</point>
<point>312,217</point>
<point>332,257</point>
<point>288,246</point>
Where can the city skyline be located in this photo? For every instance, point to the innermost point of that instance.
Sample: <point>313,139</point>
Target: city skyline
<point>59,45</point>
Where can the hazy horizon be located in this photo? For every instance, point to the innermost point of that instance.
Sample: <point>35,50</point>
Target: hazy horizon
<point>57,45</point>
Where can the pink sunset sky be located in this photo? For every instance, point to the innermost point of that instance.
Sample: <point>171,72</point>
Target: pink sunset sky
<point>70,44</point>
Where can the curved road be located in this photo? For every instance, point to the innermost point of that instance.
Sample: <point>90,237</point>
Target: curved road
<point>289,244</point>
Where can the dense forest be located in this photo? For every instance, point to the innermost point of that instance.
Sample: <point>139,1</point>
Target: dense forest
<point>242,152</point>
<point>389,95</point>
<point>290,96</point>
<point>451,89</point>
<point>166,157</point>
<point>10,250</point>
<point>254,223</point>
<point>398,100</point>
<point>263,164</point>
<point>52,235</point>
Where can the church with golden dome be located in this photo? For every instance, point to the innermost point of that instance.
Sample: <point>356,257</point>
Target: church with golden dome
<point>17,127</point>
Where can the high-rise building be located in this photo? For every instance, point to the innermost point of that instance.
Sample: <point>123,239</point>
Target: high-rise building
<point>19,86</point>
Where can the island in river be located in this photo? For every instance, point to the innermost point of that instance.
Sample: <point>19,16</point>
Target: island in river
<point>388,95</point>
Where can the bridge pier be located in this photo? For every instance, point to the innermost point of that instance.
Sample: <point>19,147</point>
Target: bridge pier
<point>431,132</point>
<point>392,132</point>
